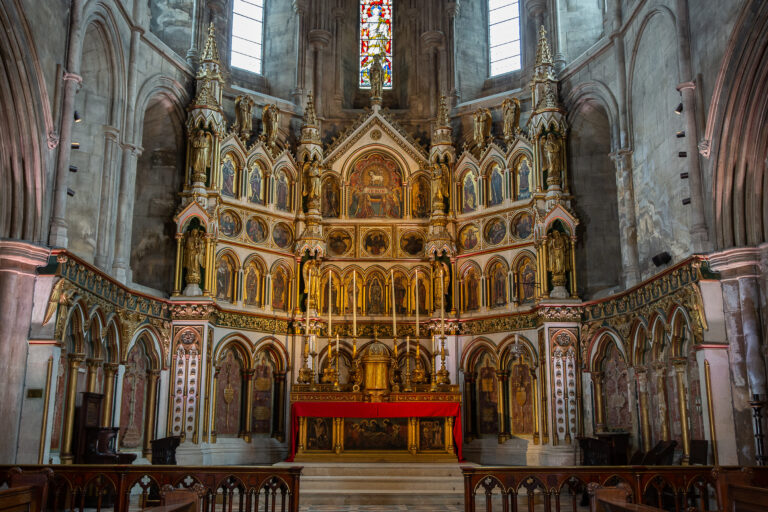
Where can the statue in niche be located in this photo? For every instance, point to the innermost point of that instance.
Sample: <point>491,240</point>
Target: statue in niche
<point>418,374</point>
<point>440,184</point>
<point>194,250</point>
<point>311,286</point>
<point>330,199</point>
<point>511,111</point>
<point>244,116</point>
<point>482,127</point>
<point>201,155</point>
<point>312,185</point>
<point>552,159</point>
<point>270,119</point>
<point>446,271</point>
<point>377,78</point>
<point>496,188</point>
<point>558,262</point>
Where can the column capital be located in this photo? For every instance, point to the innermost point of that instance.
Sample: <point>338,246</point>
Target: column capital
<point>22,257</point>
<point>111,368</point>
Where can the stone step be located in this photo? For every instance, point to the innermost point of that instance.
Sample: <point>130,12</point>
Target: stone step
<point>412,483</point>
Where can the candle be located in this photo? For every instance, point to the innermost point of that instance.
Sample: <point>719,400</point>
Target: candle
<point>330,306</point>
<point>337,351</point>
<point>418,346</point>
<point>354,303</point>
<point>416,291</point>
<point>407,346</point>
<point>330,340</point>
<point>394,318</point>
<point>442,303</point>
<point>309,287</point>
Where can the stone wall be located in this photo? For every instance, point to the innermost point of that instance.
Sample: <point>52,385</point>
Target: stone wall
<point>171,21</point>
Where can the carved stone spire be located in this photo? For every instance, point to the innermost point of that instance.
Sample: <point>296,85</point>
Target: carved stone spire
<point>543,53</point>
<point>442,112</point>
<point>211,51</point>
<point>310,117</point>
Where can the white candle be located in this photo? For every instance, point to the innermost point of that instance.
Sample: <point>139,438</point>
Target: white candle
<point>354,303</point>
<point>416,291</point>
<point>442,304</point>
<point>330,306</point>
<point>394,318</point>
<point>407,346</point>
<point>337,351</point>
<point>309,287</point>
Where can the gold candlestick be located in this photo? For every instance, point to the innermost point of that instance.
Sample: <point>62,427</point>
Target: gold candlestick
<point>442,376</point>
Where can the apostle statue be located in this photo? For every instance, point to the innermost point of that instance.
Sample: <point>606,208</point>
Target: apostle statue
<point>552,159</point>
<point>311,286</point>
<point>201,155</point>
<point>244,116</point>
<point>511,111</point>
<point>270,119</point>
<point>312,185</point>
<point>377,78</point>
<point>437,266</point>
<point>557,251</point>
<point>482,127</point>
<point>194,253</point>
<point>439,184</point>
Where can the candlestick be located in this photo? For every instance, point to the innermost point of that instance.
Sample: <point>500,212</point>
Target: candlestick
<point>394,317</point>
<point>416,291</point>
<point>354,305</point>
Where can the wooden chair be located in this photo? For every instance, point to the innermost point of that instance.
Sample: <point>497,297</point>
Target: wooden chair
<point>699,452</point>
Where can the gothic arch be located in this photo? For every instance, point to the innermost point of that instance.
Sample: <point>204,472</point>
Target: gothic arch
<point>597,92</point>
<point>528,348</point>
<point>238,343</point>
<point>277,351</point>
<point>152,346</point>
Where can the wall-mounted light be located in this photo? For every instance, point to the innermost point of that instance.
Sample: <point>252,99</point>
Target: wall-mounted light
<point>70,192</point>
<point>661,259</point>
<point>683,175</point>
<point>72,168</point>
<point>679,109</point>
<point>680,134</point>
<point>75,145</point>
<point>77,117</point>
<point>687,201</point>
<point>682,154</point>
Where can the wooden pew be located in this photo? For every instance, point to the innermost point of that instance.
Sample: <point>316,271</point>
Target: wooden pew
<point>615,499</point>
<point>20,499</point>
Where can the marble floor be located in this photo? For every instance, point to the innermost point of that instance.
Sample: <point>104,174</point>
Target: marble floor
<point>380,508</point>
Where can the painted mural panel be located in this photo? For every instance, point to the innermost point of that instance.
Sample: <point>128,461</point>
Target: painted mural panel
<point>375,433</point>
<point>522,179</point>
<point>522,395</point>
<point>376,242</point>
<point>471,290</point>
<point>497,277</point>
<point>228,395</point>
<point>252,287</point>
<point>229,223</point>
<point>330,199</point>
<point>133,398</point>
<point>282,192</point>
<point>412,243</point>
<point>280,290</point>
<point>495,231</point>
<point>229,176</point>
<point>256,230</point>
<point>282,235</point>
<point>495,188</point>
<point>420,198</point>
<point>468,194</point>
<point>262,396</point>
<point>256,185</point>
<point>526,279</point>
<point>432,434</point>
<point>319,433</point>
<point>469,236</point>
<point>376,188</point>
<point>488,396</point>
<point>521,226</point>
<point>339,242</point>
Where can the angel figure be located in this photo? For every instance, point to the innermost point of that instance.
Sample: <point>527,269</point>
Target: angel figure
<point>244,116</point>
<point>552,157</point>
<point>201,154</point>
<point>511,111</point>
<point>312,184</point>
<point>270,119</point>
<point>194,250</point>
<point>482,127</point>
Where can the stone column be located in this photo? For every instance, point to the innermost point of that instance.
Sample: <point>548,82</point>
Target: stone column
<point>121,268</point>
<point>150,413</point>
<point>92,366</point>
<point>680,366</point>
<point>319,39</point>
<point>248,386</point>
<point>300,8</point>
<point>278,420</point>
<point>503,378</point>
<point>104,237</point>
<point>110,372</point>
<point>597,382</point>
<point>630,260</point>
<point>454,93</point>
<point>18,263</point>
<point>642,393</point>
<point>67,435</point>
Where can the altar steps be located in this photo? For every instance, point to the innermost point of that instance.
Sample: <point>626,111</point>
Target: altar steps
<point>426,484</point>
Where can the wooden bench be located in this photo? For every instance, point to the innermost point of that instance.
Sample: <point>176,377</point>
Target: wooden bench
<point>615,499</point>
<point>20,499</point>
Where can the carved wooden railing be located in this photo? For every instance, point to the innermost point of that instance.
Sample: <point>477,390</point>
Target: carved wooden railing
<point>133,488</point>
<point>561,489</point>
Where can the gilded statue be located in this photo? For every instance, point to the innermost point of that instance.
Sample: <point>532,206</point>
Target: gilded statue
<point>244,116</point>
<point>377,77</point>
<point>557,251</point>
<point>436,268</point>
<point>440,183</point>
<point>418,374</point>
<point>511,110</point>
<point>201,155</point>
<point>312,184</point>
<point>194,252</point>
<point>482,127</point>
<point>270,119</point>
<point>552,159</point>
<point>312,289</point>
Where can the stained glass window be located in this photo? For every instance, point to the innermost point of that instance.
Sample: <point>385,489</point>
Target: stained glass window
<point>375,38</point>
<point>504,36</point>
<point>247,34</point>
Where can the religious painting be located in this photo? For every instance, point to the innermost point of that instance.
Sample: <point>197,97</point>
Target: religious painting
<point>495,187</point>
<point>375,242</point>
<point>349,284</point>
<point>412,243</point>
<point>376,188</point>
<point>282,235</point>
<point>256,230</point>
<point>375,434</point>
<point>495,231</point>
<point>262,395</point>
<point>469,194</point>
<point>133,397</point>
<point>468,237</point>
<point>229,390</point>
<point>229,223</point>
<point>420,294</point>
<point>522,179</point>
<point>282,192</point>
<point>526,279</point>
<point>375,295</point>
<point>280,290</point>
<point>225,279</point>
<point>319,434</point>
<point>615,390</point>
<point>488,396</point>
<point>339,242</point>
<point>375,39</point>
<point>420,198</point>
<point>497,279</point>
<point>431,434</point>
<point>255,184</point>
<point>521,226</point>
<point>330,199</point>
<point>252,285</point>
<point>522,395</point>
<point>229,174</point>
<point>401,293</point>
<point>335,291</point>
<point>471,290</point>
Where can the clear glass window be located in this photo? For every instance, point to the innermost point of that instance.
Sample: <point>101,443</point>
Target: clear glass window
<point>247,34</point>
<point>504,36</point>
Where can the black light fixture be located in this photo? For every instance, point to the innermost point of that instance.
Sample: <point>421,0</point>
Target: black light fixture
<point>683,175</point>
<point>661,259</point>
<point>687,201</point>
<point>77,117</point>
<point>70,192</point>
<point>72,168</point>
<point>680,134</point>
<point>679,109</point>
<point>682,154</point>
<point>75,145</point>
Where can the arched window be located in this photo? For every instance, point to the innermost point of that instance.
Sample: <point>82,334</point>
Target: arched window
<point>247,34</point>
<point>375,39</point>
<point>503,36</point>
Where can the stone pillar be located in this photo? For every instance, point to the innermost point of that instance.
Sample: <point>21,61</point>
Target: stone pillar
<point>300,8</point>
<point>18,262</point>
<point>150,413</point>
<point>110,372</point>
<point>105,222</point>
<point>454,93</point>
<point>642,394</point>
<point>630,259</point>
<point>278,419</point>
<point>67,435</point>
<point>122,265</point>
<point>597,382</point>
<point>319,39</point>
<point>248,387</point>
<point>503,378</point>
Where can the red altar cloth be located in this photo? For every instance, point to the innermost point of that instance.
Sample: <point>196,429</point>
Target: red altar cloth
<point>375,410</point>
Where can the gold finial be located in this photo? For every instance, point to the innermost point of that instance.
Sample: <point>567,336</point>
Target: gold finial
<point>543,53</point>
<point>442,112</point>
<point>211,51</point>
<point>310,117</point>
